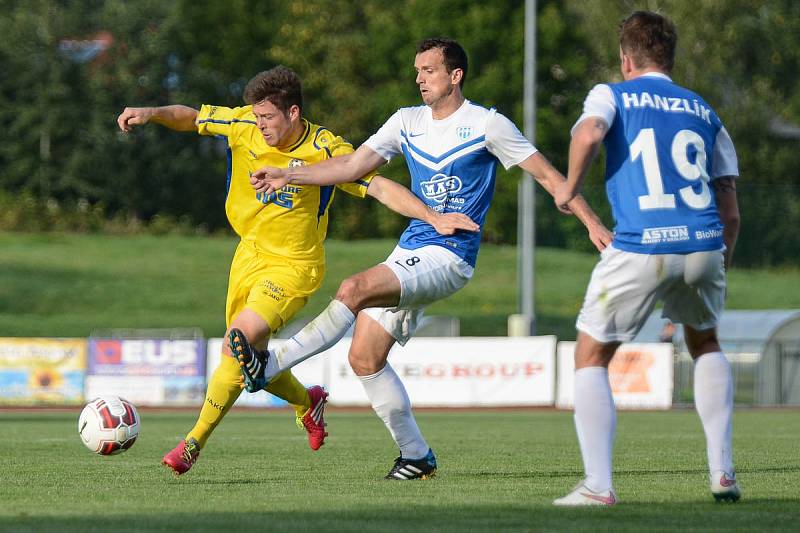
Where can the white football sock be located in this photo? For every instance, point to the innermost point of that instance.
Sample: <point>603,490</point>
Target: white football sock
<point>713,398</point>
<point>595,422</point>
<point>317,336</point>
<point>390,402</point>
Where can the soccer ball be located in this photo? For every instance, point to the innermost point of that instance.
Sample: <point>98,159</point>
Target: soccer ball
<point>108,425</point>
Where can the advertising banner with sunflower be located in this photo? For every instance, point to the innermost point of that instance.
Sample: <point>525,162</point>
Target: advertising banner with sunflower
<point>42,371</point>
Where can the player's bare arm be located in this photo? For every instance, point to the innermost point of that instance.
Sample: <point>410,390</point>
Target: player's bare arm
<point>583,148</point>
<point>550,178</point>
<point>174,117</point>
<point>728,208</point>
<point>340,169</point>
<point>400,200</point>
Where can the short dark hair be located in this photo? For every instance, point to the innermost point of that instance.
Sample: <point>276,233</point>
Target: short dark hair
<point>454,54</point>
<point>279,85</point>
<point>649,39</point>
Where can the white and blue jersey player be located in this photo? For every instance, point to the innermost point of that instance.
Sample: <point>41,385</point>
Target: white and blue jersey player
<point>664,148</point>
<point>452,162</point>
<point>451,147</point>
<point>670,180</point>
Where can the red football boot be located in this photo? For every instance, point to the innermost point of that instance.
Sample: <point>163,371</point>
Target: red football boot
<point>182,457</point>
<point>312,421</point>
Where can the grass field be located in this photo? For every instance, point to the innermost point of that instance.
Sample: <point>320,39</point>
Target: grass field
<point>498,471</point>
<point>57,285</point>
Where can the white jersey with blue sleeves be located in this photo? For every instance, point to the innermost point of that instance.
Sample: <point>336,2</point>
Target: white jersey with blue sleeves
<point>664,146</point>
<point>452,163</point>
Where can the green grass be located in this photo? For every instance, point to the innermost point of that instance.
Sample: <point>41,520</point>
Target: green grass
<point>58,285</point>
<point>498,471</point>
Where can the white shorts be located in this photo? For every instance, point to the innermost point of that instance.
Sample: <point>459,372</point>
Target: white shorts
<point>625,288</point>
<point>426,275</point>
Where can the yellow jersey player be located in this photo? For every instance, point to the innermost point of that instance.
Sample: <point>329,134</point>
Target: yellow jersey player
<point>280,259</point>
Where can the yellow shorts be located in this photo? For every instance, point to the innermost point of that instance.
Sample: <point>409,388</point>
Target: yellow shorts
<point>271,287</point>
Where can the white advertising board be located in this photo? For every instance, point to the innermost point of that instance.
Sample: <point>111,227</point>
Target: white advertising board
<point>458,372</point>
<point>640,376</point>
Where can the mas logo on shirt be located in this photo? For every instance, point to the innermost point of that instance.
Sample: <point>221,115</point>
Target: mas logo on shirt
<point>213,111</point>
<point>464,132</point>
<point>440,187</point>
<point>296,163</point>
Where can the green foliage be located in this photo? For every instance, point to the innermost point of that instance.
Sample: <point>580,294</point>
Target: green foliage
<point>58,111</point>
<point>743,57</point>
<point>26,212</point>
<point>66,144</point>
<point>67,285</point>
<point>498,471</point>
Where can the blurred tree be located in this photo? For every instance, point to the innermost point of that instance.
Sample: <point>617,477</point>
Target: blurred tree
<point>76,65</point>
<point>70,67</point>
<point>743,57</point>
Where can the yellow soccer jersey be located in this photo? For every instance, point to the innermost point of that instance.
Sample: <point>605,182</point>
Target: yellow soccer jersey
<point>292,223</point>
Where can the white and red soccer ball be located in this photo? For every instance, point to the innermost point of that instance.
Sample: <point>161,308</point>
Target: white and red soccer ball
<point>108,425</point>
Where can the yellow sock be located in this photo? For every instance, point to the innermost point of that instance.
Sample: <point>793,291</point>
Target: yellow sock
<point>286,386</point>
<point>223,389</point>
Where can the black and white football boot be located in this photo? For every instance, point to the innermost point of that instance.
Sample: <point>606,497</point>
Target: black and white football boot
<point>253,362</point>
<point>405,469</point>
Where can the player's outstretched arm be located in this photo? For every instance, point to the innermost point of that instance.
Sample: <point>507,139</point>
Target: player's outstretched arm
<point>551,179</point>
<point>599,234</point>
<point>340,169</point>
<point>174,117</point>
<point>583,148</point>
<point>400,200</point>
<point>728,208</point>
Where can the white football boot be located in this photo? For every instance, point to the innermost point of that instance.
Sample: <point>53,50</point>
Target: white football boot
<point>724,487</point>
<point>583,495</point>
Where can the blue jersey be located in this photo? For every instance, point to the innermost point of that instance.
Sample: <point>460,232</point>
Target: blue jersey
<point>660,150</point>
<point>452,163</point>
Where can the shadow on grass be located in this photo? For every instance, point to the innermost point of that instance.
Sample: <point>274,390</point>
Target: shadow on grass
<point>753,515</point>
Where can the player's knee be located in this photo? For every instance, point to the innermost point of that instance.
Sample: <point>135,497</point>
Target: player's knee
<point>591,352</point>
<point>701,342</point>
<point>226,349</point>
<point>364,366</point>
<point>351,292</point>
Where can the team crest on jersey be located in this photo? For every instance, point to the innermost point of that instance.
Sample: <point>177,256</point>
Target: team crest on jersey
<point>296,163</point>
<point>464,132</point>
<point>440,187</point>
